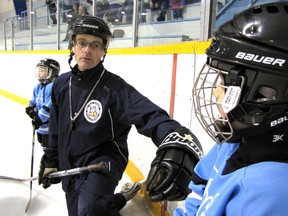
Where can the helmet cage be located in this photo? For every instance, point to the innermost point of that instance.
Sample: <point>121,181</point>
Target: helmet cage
<point>208,108</point>
<point>43,73</point>
<point>262,97</point>
<point>47,70</point>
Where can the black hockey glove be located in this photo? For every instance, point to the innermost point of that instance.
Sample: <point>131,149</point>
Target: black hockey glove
<point>31,112</point>
<point>36,121</point>
<point>172,168</point>
<point>43,175</point>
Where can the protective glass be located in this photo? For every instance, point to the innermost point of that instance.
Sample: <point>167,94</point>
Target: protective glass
<point>95,45</point>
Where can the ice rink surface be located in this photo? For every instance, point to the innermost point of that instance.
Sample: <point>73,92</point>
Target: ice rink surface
<point>15,161</point>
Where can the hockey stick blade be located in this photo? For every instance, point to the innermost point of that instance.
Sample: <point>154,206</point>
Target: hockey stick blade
<point>102,166</point>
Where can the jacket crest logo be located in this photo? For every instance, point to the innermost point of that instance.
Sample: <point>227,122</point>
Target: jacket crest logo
<point>93,111</point>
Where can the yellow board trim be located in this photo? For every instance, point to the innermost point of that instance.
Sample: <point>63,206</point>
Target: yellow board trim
<point>191,47</point>
<point>13,97</point>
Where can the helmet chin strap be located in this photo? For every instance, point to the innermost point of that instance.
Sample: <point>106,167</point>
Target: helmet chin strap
<point>70,59</point>
<point>73,69</point>
<point>102,60</point>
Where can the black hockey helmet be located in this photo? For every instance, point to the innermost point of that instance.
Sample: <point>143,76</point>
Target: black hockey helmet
<point>93,26</point>
<point>47,70</point>
<point>248,58</point>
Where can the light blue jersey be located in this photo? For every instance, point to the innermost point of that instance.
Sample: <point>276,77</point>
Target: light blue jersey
<point>260,189</point>
<point>42,100</point>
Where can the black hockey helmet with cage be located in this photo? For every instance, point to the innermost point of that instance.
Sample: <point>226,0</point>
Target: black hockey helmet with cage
<point>93,26</point>
<point>250,52</point>
<point>52,69</point>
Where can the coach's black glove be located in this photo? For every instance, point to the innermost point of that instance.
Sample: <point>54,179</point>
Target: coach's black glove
<point>172,168</point>
<point>43,175</point>
<point>31,112</point>
<point>36,121</point>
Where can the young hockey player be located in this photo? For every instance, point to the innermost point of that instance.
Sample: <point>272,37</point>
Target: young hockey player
<point>39,106</point>
<point>91,116</point>
<point>241,99</point>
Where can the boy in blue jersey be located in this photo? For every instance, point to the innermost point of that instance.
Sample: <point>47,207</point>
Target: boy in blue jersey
<point>241,99</point>
<point>39,106</point>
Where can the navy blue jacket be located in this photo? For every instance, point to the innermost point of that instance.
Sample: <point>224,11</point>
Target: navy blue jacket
<point>100,131</point>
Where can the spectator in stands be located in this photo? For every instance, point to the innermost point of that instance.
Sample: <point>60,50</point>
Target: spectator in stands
<point>52,10</point>
<point>71,17</point>
<point>155,5</point>
<point>88,6</point>
<point>127,10</point>
<point>65,5</point>
<point>177,7</point>
<point>161,5</point>
<point>110,18</point>
<point>102,7</point>
<point>83,10</point>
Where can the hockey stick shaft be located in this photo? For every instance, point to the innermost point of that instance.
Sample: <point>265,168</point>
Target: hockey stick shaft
<point>18,179</point>
<point>102,166</point>
<point>31,169</point>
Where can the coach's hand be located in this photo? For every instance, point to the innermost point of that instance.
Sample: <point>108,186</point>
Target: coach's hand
<point>43,175</point>
<point>172,168</point>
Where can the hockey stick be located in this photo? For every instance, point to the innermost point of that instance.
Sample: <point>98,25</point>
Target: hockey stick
<point>31,170</point>
<point>18,179</point>
<point>102,166</point>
